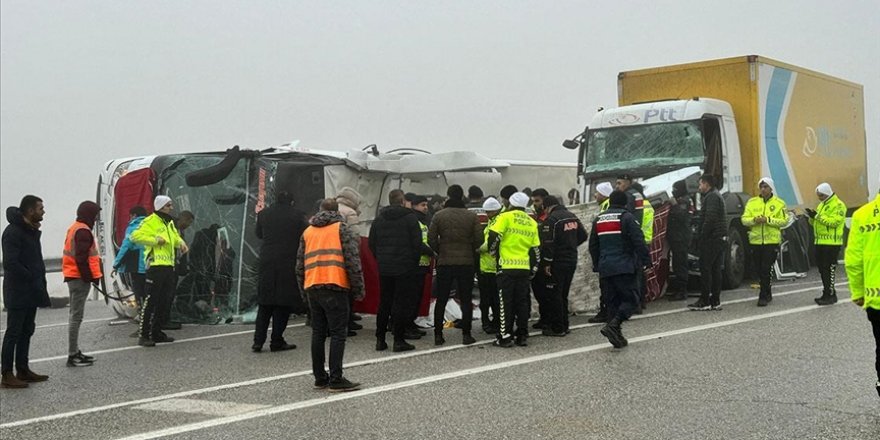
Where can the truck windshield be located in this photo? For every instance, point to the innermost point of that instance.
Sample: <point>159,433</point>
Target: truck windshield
<point>633,147</point>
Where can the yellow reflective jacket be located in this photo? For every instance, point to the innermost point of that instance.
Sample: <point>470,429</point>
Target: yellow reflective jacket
<point>777,217</point>
<point>828,222</point>
<point>648,222</point>
<point>487,261</point>
<point>519,234</point>
<point>148,233</point>
<point>863,255</point>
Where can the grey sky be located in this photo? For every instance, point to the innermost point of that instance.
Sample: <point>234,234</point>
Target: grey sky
<point>85,82</point>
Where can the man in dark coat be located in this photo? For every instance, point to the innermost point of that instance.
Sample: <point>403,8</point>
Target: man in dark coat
<point>678,234</point>
<point>455,235</point>
<point>24,289</point>
<point>561,234</point>
<point>280,226</point>
<point>713,235</point>
<point>396,242</point>
<point>618,251</point>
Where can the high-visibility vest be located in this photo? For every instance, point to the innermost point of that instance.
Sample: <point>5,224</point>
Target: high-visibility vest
<point>424,260</point>
<point>323,258</point>
<point>487,261</point>
<point>777,217</point>
<point>605,205</point>
<point>829,220</point>
<point>863,255</point>
<point>519,234</point>
<point>68,260</point>
<point>648,223</point>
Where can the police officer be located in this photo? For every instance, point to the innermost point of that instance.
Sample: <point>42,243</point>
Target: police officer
<point>765,216</point>
<point>561,234</point>
<point>678,234</point>
<point>487,280</point>
<point>419,205</point>
<point>618,250</point>
<point>827,222</point>
<point>514,242</point>
<point>603,191</point>
<point>647,224</point>
<point>863,268</point>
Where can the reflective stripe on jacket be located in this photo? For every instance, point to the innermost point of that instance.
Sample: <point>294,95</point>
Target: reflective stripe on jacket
<point>424,260</point>
<point>487,261</point>
<point>68,259</point>
<point>829,220</point>
<point>148,233</point>
<point>648,223</point>
<point>863,255</point>
<point>323,258</point>
<point>777,217</point>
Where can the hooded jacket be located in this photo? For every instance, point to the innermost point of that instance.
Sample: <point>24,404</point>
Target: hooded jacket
<point>349,206</point>
<point>122,263</point>
<point>24,272</point>
<point>87,213</point>
<point>455,234</point>
<point>396,241</point>
<point>350,253</point>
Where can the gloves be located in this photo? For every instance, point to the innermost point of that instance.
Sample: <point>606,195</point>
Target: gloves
<point>811,213</point>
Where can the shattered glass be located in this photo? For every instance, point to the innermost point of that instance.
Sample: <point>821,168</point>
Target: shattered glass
<point>643,146</point>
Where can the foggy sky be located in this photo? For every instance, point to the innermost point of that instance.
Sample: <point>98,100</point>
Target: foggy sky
<point>82,82</point>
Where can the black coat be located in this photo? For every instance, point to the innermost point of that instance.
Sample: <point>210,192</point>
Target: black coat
<point>24,272</point>
<point>617,245</point>
<point>396,241</point>
<point>280,227</point>
<point>714,219</point>
<point>561,234</point>
<point>678,230</point>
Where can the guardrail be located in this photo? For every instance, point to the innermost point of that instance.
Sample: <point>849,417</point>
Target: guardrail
<point>53,265</point>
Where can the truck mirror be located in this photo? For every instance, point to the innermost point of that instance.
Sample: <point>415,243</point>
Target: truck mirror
<point>571,145</point>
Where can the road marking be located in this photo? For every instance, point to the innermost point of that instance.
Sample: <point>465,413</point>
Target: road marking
<point>62,324</point>
<point>366,362</point>
<point>446,376</point>
<point>136,347</point>
<point>214,408</point>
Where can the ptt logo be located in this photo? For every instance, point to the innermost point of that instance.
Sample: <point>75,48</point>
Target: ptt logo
<point>625,119</point>
<point>663,114</point>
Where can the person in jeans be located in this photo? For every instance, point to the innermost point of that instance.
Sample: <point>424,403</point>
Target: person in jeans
<point>396,242</point>
<point>280,226</point>
<point>455,235</point>
<point>81,267</point>
<point>713,232</point>
<point>765,215</point>
<point>328,272</point>
<point>161,241</point>
<point>24,289</point>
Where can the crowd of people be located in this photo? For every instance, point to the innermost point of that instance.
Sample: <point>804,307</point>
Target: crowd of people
<point>526,245</point>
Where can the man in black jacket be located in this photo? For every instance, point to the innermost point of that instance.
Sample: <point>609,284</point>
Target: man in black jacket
<point>561,234</point>
<point>396,242</point>
<point>678,234</point>
<point>24,289</point>
<point>618,251</point>
<point>280,226</point>
<point>713,236</point>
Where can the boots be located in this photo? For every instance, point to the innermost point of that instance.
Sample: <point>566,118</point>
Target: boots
<point>25,374</point>
<point>381,345</point>
<point>613,333</point>
<point>438,338</point>
<point>600,317</point>
<point>826,299</point>
<point>402,345</point>
<point>467,339</point>
<point>10,381</point>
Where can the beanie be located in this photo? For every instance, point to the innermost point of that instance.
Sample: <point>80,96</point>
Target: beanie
<point>824,188</point>
<point>519,200</point>
<point>769,183</point>
<point>160,201</point>
<point>492,204</point>
<point>604,188</point>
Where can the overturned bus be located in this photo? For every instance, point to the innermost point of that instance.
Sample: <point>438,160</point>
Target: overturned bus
<point>225,191</point>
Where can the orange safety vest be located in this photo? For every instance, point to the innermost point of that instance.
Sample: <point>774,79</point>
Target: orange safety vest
<point>68,259</point>
<point>323,258</point>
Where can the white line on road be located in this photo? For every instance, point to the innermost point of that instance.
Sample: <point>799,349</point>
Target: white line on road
<point>446,376</point>
<point>213,408</point>
<point>365,362</point>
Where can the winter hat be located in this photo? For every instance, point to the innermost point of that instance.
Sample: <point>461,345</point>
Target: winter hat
<point>519,200</point>
<point>605,189</point>
<point>350,194</point>
<point>618,198</point>
<point>160,201</point>
<point>87,212</point>
<point>824,188</point>
<point>492,204</point>
<point>769,183</point>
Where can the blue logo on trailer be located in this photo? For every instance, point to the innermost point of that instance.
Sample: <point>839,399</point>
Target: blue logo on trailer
<point>775,100</point>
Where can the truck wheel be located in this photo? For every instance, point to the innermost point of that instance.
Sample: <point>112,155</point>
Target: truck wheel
<point>734,260</point>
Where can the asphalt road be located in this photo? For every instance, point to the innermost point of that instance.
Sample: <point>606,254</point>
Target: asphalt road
<point>792,370</point>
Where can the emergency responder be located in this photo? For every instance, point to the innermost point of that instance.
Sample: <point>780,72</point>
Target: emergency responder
<point>514,242</point>
<point>603,191</point>
<point>678,235</point>
<point>161,242</point>
<point>765,216</point>
<point>647,224</point>
<point>862,260</point>
<point>455,235</point>
<point>561,234</point>
<point>328,271</point>
<point>827,222</point>
<point>713,231</point>
<point>419,205</point>
<point>618,250</point>
<point>634,200</point>
<point>81,267</point>
<point>487,279</point>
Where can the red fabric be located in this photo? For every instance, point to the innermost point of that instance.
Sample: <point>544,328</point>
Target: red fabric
<point>425,305</point>
<point>657,275</point>
<point>370,303</point>
<point>132,189</point>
